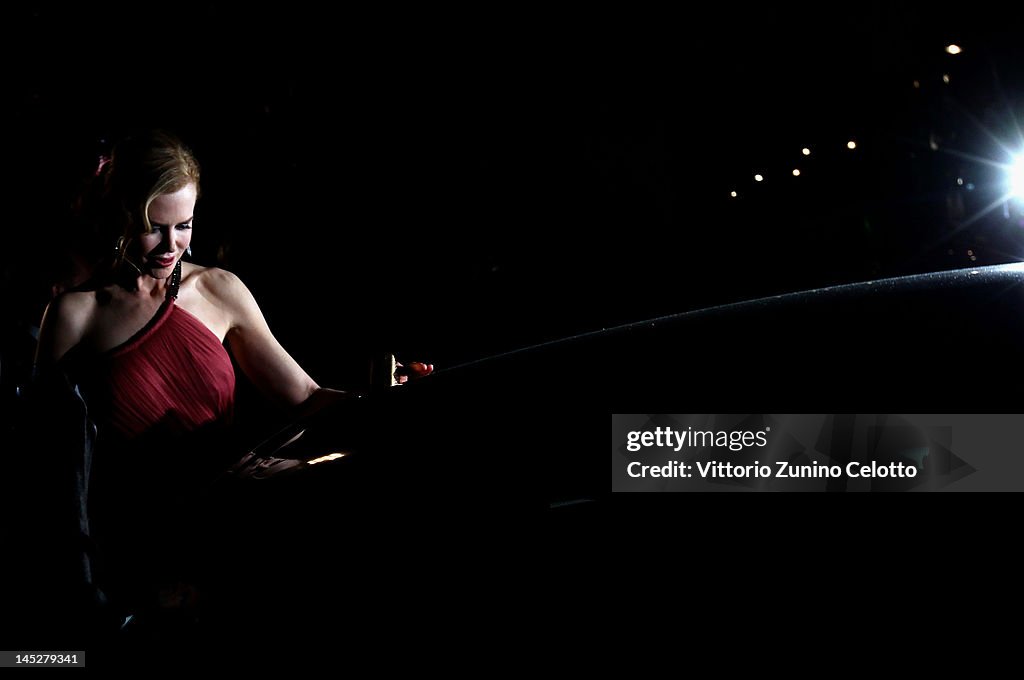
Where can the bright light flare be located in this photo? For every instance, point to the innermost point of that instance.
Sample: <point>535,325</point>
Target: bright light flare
<point>1013,184</point>
<point>953,49</point>
<point>1017,178</point>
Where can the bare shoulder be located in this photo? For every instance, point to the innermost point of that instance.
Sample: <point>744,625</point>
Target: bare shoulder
<point>65,322</point>
<point>212,282</point>
<point>220,287</point>
<point>72,308</point>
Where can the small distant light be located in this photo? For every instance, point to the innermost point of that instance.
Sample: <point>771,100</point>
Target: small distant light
<point>796,172</point>
<point>733,194</point>
<point>949,252</point>
<point>917,84</point>
<point>970,186</point>
<point>970,252</point>
<point>945,78</point>
<point>805,151</point>
<point>851,145</point>
<point>960,181</point>
<point>973,258</point>
<point>953,49</point>
<point>758,178</point>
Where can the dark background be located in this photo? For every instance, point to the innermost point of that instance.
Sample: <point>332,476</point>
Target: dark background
<point>450,184</point>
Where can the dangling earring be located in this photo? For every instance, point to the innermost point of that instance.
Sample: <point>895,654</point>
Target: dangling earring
<point>188,252</point>
<point>120,255</point>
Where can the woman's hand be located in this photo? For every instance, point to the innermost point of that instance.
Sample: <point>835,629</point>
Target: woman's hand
<point>415,369</point>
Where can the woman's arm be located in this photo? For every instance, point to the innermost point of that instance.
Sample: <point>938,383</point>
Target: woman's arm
<point>265,362</point>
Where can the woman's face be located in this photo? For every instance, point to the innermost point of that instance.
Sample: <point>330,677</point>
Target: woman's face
<point>171,217</point>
